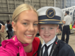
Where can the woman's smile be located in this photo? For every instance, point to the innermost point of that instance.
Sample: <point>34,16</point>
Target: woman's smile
<point>29,36</point>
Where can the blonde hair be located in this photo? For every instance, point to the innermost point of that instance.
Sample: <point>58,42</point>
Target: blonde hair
<point>19,9</point>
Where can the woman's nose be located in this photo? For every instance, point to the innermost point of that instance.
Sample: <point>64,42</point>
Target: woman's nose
<point>31,27</point>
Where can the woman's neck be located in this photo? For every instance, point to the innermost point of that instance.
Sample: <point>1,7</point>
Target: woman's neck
<point>28,48</point>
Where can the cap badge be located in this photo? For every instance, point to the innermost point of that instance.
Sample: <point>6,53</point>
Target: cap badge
<point>50,13</point>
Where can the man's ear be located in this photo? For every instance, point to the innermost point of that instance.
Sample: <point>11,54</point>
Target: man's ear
<point>14,25</point>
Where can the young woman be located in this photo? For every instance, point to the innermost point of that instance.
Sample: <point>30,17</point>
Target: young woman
<point>25,26</point>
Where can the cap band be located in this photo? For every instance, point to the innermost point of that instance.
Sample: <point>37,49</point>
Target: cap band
<point>49,20</point>
<point>45,17</point>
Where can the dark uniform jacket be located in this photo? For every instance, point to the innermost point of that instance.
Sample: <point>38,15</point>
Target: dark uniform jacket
<point>62,49</point>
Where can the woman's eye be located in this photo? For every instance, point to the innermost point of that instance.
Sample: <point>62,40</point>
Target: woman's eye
<point>42,28</point>
<point>35,24</point>
<point>25,23</point>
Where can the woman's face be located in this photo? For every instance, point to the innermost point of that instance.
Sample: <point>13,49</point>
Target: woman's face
<point>27,26</point>
<point>48,32</point>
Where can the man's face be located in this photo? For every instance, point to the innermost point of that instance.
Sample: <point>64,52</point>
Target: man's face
<point>48,32</point>
<point>65,14</point>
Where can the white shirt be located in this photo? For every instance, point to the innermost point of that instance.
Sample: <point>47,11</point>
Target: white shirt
<point>68,20</point>
<point>6,27</point>
<point>50,42</point>
<point>0,23</point>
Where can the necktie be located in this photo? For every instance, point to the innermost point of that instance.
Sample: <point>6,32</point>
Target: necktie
<point>46,50</point>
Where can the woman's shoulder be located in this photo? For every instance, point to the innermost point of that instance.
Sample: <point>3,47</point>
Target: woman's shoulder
<point>36,43</point>
<point>36,40</point>
<point>3,53</point>
<point>8,48</point>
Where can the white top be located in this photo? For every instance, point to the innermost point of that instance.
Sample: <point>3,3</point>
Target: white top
<point>6,27</point>
<point>67,19</point>
<point>50,42</point>
<point>0,23</point>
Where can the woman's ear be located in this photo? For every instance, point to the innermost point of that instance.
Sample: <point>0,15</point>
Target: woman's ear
<point>14,25</point>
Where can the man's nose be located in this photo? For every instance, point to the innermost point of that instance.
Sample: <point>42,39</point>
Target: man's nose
<point>46,31</point>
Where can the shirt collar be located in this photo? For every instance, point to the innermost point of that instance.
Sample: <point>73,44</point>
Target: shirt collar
<point>50,42</point>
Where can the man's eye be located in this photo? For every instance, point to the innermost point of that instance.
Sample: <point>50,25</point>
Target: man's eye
<point>51,28</point>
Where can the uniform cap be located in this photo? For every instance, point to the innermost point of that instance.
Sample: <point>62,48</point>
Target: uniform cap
<point>50,15</point>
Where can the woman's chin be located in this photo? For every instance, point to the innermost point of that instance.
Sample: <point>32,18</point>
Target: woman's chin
<point>30,41</point>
